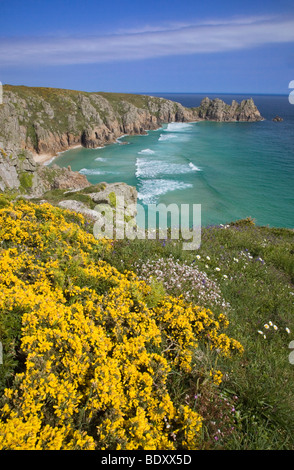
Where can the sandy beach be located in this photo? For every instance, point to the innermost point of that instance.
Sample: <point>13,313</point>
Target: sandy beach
<point>46,157</point>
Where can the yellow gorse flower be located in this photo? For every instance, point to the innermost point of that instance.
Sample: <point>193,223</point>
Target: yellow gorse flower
<point>97,359</point>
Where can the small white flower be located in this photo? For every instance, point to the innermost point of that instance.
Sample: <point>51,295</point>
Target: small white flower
<point>198,256</point>
<point>266,326</point>
<point>260,332</point>
<point>287,329</point>
<point>207,257</point>
<point>270,323</point>
<point>225,276</point>
<point>275,327</point>
<point>207,266</point>
<point>236,259</point>
<point>217,269</point>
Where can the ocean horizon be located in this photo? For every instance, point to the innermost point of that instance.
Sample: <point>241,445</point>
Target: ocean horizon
<point>234,170</point>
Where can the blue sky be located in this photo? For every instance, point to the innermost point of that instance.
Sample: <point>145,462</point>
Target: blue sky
<point>155,46</point>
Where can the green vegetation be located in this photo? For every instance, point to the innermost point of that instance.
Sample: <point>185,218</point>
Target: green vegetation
<point>254,269</point>
<point>241,270</point>
<point>112,199</point>
<point>95,358</point>
<point>115,99</point>
<point>26,181</point>
<point>60,111</point>
<point>54,196</point>
<point>94,188</point>
<point>31,135</point>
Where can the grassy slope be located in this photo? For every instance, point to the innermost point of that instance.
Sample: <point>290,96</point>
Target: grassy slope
<point>57,96</point>
<point>253,407</point>
<point>256,277</point>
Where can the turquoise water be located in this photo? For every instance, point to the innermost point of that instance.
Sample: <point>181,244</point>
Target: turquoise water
<point>234,170</point>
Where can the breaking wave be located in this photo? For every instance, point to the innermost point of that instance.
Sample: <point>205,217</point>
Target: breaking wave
<point>151,189</point>
<point>146,168</point>
<point>146,152</point>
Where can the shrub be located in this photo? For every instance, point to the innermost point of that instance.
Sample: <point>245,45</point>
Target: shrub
<point>95,350</point>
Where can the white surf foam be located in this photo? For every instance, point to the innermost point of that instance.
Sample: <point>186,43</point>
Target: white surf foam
<point>146,168</point>
<point>88,171</point>
<point>163,137</point>
<point>178,127</point>
<point>100,159</point>
<point>151,189</point>
<point>49,161</point>
<point>146,152</point>
<point>194,167</point>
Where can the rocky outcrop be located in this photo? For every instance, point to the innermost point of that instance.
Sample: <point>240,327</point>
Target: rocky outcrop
<point>47,121</point>
<point>278,119</point>
<point>81,208</point>
<point>129,193</point>
<point>218,110</point>
<point>19,172</point>
<point>103,196</point>
<point>36,121</point>
<point>66,188</point>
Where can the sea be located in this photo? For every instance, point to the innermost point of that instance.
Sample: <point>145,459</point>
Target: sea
<point>233,170</point>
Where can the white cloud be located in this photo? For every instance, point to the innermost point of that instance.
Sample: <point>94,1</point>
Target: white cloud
<point>149,42</point>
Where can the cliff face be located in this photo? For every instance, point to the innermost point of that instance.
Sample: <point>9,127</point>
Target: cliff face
<point>19,172</point>
<point>46,121</point>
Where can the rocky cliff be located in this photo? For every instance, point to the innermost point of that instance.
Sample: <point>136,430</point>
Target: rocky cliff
<point>218,110</point>
<point>46,120</point>
<point>21,174</point>
<point>38,121</point>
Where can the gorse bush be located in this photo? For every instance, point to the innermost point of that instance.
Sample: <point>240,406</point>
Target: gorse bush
<point>91,354</point>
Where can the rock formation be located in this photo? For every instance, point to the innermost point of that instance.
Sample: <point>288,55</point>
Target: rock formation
<point>47,121</point>
<point>36,121</point>
<point>218,110</point>
<point>99,197</point>
<point>19,172</point>
<point>278,119</point>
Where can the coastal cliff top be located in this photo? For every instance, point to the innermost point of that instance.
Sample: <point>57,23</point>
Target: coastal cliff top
<point>48,120</point>
<point>37,123</point>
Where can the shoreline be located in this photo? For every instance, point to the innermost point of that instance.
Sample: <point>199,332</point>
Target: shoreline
<point>44,158</point>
